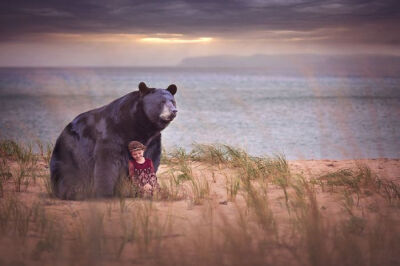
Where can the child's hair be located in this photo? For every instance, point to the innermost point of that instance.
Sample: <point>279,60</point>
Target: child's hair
<point>135,146</point>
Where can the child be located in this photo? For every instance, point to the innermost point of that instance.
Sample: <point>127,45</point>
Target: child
<point>141,170</point>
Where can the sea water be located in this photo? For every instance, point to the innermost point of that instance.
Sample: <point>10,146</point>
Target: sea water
<point>302,117</point>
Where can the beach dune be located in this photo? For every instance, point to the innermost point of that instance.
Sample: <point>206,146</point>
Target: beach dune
<point>218,206</point>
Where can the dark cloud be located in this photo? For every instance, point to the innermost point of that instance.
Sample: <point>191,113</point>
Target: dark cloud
<point>367,21</point>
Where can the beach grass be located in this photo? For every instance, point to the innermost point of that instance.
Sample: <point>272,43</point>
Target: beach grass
<point>218,205</point>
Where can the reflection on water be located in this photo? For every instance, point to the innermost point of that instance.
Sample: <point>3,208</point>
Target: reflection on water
<point>303,117</point>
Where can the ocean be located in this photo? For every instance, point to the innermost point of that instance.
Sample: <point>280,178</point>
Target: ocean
<point>302,117</point>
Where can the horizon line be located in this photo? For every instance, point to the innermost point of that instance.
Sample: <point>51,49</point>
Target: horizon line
<point>180,64</point>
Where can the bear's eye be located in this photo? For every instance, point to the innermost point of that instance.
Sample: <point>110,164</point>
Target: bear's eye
<point>163,101</point>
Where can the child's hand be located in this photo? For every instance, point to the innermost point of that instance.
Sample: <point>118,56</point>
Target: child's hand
<point>147,188</point>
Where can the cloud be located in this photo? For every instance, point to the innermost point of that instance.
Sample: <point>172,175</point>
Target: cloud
<point>162,32</point>
<point>196,18</point>
<point>46,12</point>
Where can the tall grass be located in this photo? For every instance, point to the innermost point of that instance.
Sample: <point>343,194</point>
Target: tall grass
<point>258,203</point>
<point>389,190</point>
<point>89,234</point>
<point>26,160</point>
<point>211,153</point>
<point>361,180</point>
<point>14,217</point>
<point>22,177</point>
<point>232,185</point>
<point>9,149</point>
<point>45,150</point>
<point>5,174</point>
<point>255,229</point>
<point>171,187</point>
<point>309,223</point>
<point>200,189</point>
<point>181,178</point>
<point>48,185</point>
<point>148,227</point>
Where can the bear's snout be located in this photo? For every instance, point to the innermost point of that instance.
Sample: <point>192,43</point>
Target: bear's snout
<point>168,113</point>
<point>173,114</point>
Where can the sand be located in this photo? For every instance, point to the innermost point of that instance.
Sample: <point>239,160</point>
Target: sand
<point>188,223</point>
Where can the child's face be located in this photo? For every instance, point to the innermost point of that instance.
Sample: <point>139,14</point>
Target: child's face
<point>137,155</point>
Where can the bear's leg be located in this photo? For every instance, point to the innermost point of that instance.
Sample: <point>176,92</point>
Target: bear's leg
<point>153,151</point>
<point>106,173</point>
<point>70,177</point>
<point>71,184</point>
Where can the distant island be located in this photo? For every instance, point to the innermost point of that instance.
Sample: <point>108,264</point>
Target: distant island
<point>305,64</point>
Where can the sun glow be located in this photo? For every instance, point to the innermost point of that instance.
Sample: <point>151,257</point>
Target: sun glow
<point>176,40</point>
<point>121,38</point>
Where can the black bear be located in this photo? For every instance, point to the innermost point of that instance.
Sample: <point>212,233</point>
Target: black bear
<point>92,152</point>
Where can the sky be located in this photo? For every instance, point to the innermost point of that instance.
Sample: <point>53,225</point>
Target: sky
<point>163,32</point>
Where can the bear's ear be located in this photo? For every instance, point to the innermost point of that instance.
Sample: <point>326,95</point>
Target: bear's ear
<point>172,89</point>
<point>143,88</point>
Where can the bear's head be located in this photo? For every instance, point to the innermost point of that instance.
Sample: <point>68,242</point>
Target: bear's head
<point>159,104</point>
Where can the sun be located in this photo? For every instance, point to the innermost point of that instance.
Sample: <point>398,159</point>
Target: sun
<point>175,40</point>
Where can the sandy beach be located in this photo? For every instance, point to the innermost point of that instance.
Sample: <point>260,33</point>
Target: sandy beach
<point>212,210</point>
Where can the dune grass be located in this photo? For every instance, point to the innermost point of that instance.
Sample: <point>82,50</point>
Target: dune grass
<point>259,228</point>
<point>26,160</point>
<point>232,187</point>
<point>361,181</point>
<point>171,187</point>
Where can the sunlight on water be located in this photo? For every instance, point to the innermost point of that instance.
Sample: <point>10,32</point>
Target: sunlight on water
<point>302,117</point>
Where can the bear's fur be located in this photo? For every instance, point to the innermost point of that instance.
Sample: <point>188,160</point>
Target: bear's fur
<point>91,153</point>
